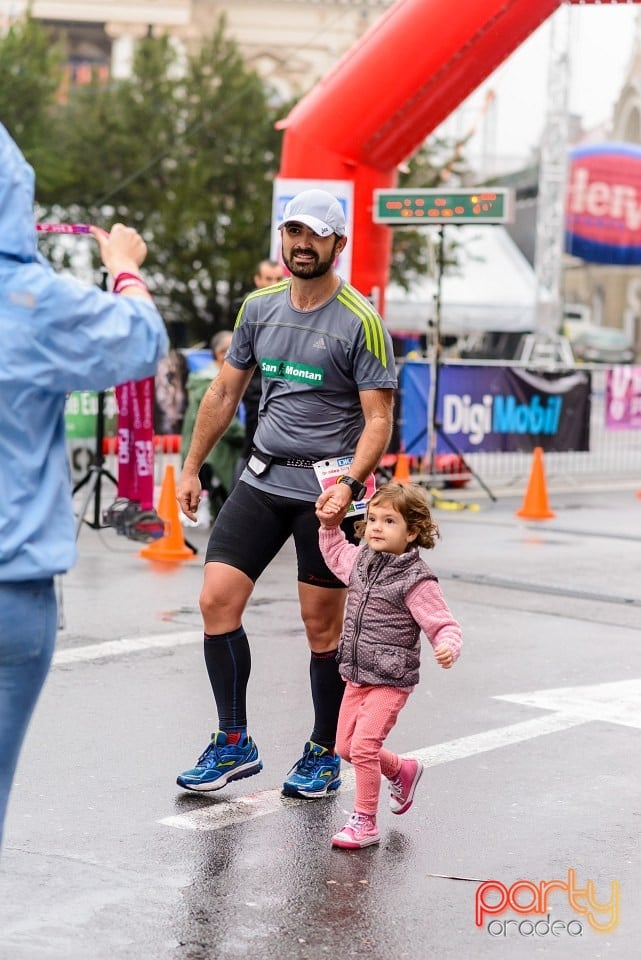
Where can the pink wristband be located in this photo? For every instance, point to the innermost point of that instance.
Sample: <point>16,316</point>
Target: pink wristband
<point>127,276</point>
<point>124,280</point>
<point>130,283</point>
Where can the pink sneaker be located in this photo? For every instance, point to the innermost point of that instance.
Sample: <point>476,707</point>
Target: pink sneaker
<point>359,831</point>
<point>402,787</point>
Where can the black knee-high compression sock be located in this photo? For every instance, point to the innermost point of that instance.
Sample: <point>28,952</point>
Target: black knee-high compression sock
<point>228,662</point>
<point>327,693</point>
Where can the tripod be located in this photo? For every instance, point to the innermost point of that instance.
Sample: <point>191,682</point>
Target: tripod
<point>92,480</point>
<point>437,431</point>
<point>435,426</point>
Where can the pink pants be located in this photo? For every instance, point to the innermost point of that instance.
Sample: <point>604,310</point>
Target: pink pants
<point>367,715</point>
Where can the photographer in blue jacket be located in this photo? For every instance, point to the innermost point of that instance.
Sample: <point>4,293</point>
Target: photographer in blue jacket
<point>57,335</point>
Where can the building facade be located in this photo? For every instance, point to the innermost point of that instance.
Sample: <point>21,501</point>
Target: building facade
<point>290,43</point>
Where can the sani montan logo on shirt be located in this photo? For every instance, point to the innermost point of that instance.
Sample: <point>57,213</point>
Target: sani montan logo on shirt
<point>290,370</point>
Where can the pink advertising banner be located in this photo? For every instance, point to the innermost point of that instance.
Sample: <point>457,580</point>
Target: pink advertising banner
<point>623,398</point>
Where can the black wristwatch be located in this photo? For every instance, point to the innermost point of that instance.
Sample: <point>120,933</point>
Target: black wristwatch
<point>358,489</point>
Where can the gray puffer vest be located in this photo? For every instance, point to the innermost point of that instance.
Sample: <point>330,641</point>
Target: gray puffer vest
<point>380,643</point>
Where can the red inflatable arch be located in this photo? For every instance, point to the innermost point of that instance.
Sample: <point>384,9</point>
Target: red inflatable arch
<point>412,68</point>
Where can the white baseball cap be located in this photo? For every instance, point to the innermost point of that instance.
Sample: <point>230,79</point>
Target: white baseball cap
<point>318,210</point>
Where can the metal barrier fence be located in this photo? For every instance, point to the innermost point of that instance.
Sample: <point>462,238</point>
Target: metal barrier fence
<point>614,455</point>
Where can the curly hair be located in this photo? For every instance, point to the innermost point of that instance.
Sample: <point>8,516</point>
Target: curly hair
<point>411,501</point>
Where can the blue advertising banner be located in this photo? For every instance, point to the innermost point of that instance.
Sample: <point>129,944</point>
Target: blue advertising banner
<point>495,409</point>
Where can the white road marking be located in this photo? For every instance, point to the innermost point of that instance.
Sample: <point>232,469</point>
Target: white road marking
<point>224,814</point>
<point>228,812</point>
<point>618,702</point>
<point>494,739</point>
<point>124,646</point>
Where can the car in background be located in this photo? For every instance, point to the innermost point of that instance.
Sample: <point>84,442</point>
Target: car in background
<point>603,345</point>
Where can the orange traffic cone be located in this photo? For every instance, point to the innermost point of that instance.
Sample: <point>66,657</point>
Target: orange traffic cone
<point>535,503</point>
<point>171,546</point>
<point>402,469</point>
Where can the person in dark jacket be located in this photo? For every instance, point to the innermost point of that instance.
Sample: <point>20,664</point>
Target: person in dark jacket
<point>268,272</point>
<point>217,474</point>
<point>392,595</point>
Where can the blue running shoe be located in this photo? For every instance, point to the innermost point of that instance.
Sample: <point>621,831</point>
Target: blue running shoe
<point>221,763</point>
<point>314,774</point>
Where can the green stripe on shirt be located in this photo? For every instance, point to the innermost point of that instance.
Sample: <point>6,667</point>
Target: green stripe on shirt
<point>261,292</point>
<point>374,339</point>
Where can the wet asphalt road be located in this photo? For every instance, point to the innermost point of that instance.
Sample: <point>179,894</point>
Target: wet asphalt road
<point>106,859</point>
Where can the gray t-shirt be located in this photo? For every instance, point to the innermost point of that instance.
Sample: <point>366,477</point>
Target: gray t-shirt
<point>313,365</point>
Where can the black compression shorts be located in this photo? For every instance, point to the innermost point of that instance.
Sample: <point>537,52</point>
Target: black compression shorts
<point>253,525</point>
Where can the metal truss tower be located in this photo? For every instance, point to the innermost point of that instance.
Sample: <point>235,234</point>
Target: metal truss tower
<point>550,223</point>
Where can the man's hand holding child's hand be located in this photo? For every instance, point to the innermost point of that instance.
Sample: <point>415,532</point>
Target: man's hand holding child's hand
<point>332,505</point>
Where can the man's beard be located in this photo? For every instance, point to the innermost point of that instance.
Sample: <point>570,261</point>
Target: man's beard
<point>312,270</point>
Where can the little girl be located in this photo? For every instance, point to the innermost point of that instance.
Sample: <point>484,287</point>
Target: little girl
<point>392,596</point>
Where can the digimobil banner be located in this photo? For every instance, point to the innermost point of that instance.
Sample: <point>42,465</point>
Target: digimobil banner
<point>623,398</point>
<point>495,409</point>
<point>603,203</point>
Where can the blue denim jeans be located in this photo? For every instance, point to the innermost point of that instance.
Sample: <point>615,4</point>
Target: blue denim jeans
<point>28,620</point>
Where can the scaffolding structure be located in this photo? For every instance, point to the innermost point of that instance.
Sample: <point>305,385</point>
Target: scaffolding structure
<point>547,344</point>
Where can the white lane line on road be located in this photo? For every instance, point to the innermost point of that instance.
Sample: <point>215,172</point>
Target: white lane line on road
<point>616,702</point>
<point>493,739</point>
<point>227,813</point>
<point>224,814</point>
<point>124,646</point>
